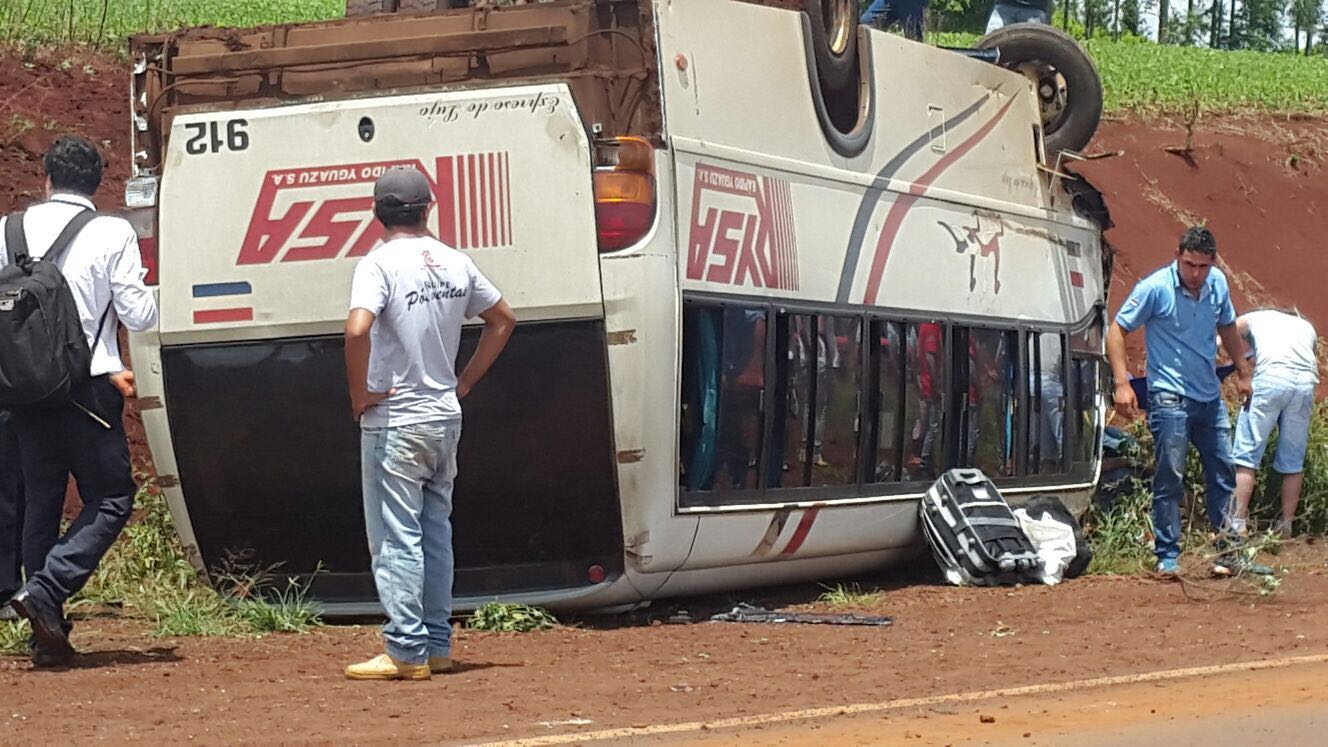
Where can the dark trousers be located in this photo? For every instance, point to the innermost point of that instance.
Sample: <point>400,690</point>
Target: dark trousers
<point>11,512</point>
<point>54,444</point>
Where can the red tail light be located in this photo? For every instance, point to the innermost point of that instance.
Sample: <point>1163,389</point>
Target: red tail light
<point>624,192</point>
<point>144,221</point>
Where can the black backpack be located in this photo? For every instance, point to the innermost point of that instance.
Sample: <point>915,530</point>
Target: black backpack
<point>43,351</point>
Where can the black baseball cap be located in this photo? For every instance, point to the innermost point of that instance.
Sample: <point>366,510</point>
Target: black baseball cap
<point>402,186</point>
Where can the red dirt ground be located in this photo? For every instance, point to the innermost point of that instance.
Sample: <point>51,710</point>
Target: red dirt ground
<point>1260,186</point>
<point>289,687</point>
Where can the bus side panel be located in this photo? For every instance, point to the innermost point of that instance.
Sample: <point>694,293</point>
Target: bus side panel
<point>945,122</point>
<point>641,307</point>
<point>735,539</point>
<point>532,508</point>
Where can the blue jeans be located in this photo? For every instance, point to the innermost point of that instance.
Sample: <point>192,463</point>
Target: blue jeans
<point>1005,14</point>
<point>883,14</point>
<point>408,473</point>
<point>1286,404</point>
<point>1176,422</point>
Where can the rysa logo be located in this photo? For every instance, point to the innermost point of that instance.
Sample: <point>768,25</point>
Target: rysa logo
<point>982,234</point>
<point>325,212</point>
<point>742,230</point>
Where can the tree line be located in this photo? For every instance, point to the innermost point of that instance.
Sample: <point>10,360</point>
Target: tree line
<point>1264,25</point>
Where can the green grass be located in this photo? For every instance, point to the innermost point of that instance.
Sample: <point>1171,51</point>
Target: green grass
<point>1121,536</point>
<point>1144,77</point>
<point>109,22</point>
<point>840,596</point>
<point>147,575</point>
<point>14,638</point>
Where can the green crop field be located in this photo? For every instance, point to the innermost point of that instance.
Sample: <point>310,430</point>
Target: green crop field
<point>1137,75</point>
<point>109,22</point>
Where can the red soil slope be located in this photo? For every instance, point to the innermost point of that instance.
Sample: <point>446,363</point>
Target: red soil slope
<point>1259,184</point>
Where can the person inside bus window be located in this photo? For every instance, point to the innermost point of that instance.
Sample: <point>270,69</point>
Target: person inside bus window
<point>926,347</point>
<point>908,14</point>
<point>743,361</point>
<point>887,457</point>
<point>823,341</point>
<point>1048,438</point>
<point>990,410</point>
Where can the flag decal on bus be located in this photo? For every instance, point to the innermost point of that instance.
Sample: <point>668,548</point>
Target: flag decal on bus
<point>326,212</point>
<point>742,230</point>
<point>230,293</point>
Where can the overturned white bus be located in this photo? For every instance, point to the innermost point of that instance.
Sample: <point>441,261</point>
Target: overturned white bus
<point>773,272</point>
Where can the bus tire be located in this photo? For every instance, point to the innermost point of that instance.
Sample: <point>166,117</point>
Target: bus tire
<point>835,41</point>
<point>1069,88</point>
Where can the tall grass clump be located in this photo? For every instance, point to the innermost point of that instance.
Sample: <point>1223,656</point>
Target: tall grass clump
<point>1121,535</point>
<point>148,574</point>
<point>14,638</point>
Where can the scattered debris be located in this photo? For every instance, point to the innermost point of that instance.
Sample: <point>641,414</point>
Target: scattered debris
<point>984,718</point>
<point>568,722</point>
<point>752,614</point>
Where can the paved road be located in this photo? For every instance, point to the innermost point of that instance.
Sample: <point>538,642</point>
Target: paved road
<point>1281,706</point>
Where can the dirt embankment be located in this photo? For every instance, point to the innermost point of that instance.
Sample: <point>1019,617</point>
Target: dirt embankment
<point>1260,184</point>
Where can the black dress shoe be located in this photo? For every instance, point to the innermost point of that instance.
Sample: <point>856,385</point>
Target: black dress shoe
<point>47,624</point>
<point>45,659</point>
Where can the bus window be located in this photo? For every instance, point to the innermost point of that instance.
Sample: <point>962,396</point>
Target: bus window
<point>722,385</point>
<point>888,398</point>
<point>795,338</point>
<point>1046,398</point>
<point>1089,378</point>
<point>835,449</point>
<point>990,402</point>
<point>924,401</point>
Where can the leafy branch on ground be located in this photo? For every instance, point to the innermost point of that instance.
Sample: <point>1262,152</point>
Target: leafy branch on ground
<point>501,617</point>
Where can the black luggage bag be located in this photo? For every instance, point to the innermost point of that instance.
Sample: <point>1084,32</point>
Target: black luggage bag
<point>973,534</point>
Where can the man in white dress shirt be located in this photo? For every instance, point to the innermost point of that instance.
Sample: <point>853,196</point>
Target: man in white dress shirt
<point>84,437</point>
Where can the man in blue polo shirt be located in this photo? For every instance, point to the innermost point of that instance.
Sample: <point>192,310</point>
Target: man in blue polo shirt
<point>1180,305</point>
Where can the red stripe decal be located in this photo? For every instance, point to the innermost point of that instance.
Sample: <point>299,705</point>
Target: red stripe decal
<point>472,204</point>
<point>1076,279</point>
<point>215,316</point>
<point>899,209</point>
<point>492,213</point>
<point>507,199</point>
<point>446,189</point>
<point>800,534</point>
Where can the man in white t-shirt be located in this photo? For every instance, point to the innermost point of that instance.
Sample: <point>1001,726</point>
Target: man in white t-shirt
<point>1286,372</point>
<point>408,301</point>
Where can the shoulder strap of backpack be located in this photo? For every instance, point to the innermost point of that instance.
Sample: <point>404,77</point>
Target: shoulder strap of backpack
<point>16,244</point>
<point>66,237</point>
